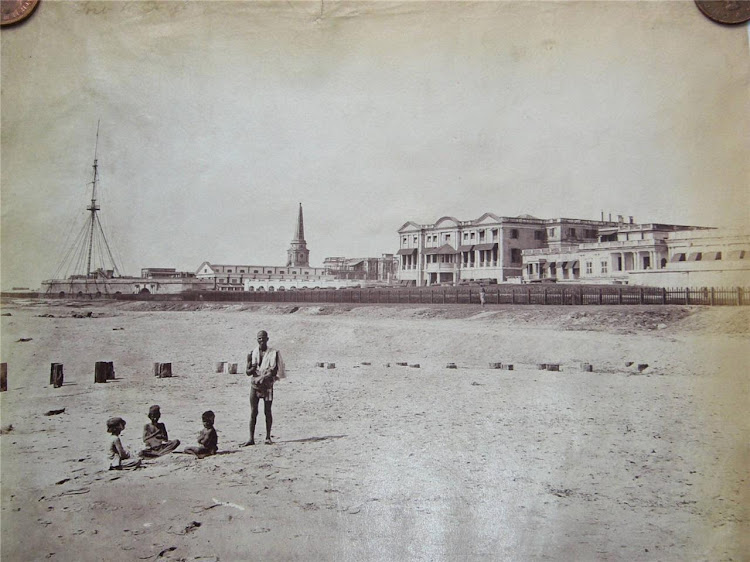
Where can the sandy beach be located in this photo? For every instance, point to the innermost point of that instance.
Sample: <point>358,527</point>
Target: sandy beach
<point>377,462</point>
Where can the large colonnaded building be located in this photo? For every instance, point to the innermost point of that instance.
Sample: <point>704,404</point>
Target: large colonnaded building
<point>495,249</point>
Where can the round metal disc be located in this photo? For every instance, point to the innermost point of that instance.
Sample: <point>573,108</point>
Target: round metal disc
<point>725,11</point>
<point>13,11</point>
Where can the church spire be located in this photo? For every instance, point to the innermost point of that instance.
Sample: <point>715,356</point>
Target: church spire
<point>298,255</point>
<point>299,233</point>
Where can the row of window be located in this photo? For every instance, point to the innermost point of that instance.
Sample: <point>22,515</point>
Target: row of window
<point>291,272</point>
<point>478,235</point>
<point>573,233</point>
<point>701,256</point>
<point>468,257</point>
<point>492,234</point>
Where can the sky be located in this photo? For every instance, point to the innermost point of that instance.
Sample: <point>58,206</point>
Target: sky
<point>218,118</point>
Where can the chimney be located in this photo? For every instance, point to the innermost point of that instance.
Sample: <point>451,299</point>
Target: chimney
<point>602,216</point>
<point>631,219</point>
<point>610,217</point>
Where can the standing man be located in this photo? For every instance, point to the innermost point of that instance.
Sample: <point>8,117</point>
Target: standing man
<point>265,366</point>
<point>482,295</point>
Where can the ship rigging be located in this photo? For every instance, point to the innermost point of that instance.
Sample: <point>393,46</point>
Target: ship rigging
<point>90,246</point>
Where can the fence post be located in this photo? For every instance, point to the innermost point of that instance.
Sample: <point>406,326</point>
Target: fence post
<point>663,296</point>
<point>512,296</point>
<point>469,296</point>
<point>601,296</point>
<point>687,295</point>
<point>544,296</point>
<point>443,303</point>
<point>640,296</point>
<point>529,296</point>
<point>712,296</point>
<point>739,296</point>
<point>619,295</point>
<point>497,291</point>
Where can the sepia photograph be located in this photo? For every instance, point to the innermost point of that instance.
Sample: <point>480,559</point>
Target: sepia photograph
<point>374,280</point>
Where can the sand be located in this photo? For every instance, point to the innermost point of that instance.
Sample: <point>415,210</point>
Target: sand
<point>376,462</point>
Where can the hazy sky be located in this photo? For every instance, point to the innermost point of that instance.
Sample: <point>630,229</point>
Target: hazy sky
<point>218,118</point>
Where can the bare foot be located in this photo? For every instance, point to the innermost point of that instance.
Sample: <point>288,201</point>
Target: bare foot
<point>268,441</point>
<point>248,443</point>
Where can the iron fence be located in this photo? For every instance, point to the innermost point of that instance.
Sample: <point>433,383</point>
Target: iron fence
<point>504,294</point>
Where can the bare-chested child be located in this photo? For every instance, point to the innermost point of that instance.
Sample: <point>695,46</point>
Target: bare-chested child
<point>118,457</point>
<point>208,441</point>
<point>155,436</point>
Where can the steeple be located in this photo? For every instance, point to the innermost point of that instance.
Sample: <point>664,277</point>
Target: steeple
<point>299,233</point>
<point>298,255</point>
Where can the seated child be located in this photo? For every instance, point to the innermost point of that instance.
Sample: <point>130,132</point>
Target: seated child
<point>155,436</point>
<point>117,455</point>
<point>207,440</point>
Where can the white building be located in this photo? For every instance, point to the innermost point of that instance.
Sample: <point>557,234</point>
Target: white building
<point>489,248</point>
<point>618,250</point>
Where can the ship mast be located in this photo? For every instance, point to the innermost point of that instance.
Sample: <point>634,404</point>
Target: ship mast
<point>89,253</point>
<point>93,208</point>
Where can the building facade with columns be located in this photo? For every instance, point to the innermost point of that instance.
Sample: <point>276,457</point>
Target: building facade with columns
<point>619,251</point>
<point>488,249</point>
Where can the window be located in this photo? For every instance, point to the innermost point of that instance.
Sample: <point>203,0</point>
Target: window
<point>294,273</point>
<point>538,235</point>
<point>466,235</point>
<point>604,266</point>
<point>515,255</point>
<point>405,240</point>
<point>572,232</point>
<point>551,232</point>
<point>229,271</point>
<point>481,235</point>
<point>269,271</point>
<point>282,272</point>
<point>494,234</point>
<point>242,271</point>
<point>514,233</point>
<point>447,238</point>
<point>255,271</point>
<point>414,239</point>
<point>472,236</point>
<point>589,267</point>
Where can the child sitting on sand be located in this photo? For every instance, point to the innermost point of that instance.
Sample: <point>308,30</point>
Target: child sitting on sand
<point>155,436</point>
<point>117,454</point>
<point>207,440</point>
